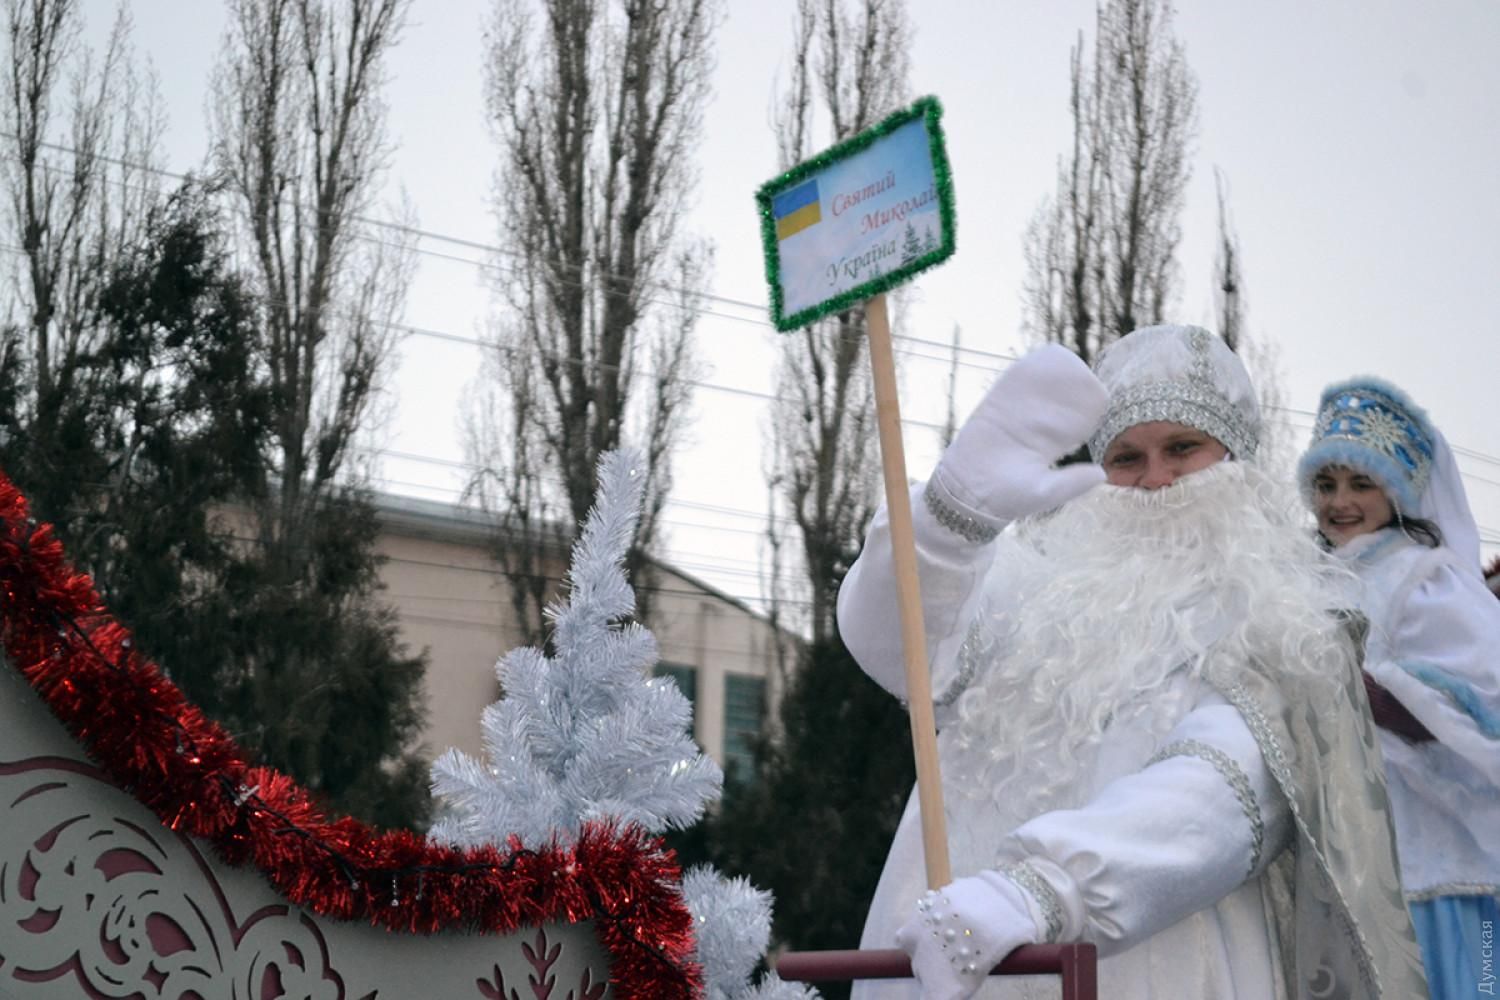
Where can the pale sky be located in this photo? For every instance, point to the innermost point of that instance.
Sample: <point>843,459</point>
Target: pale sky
<point>1360,140</point>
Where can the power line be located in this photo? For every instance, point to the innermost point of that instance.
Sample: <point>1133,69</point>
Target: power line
<point>757,307</point>
<point>695,383</point>
<point>733,511</point>
<point>698,295</point>
<point>1311,417</point>
<point>756,321</point>
<point>411,330</point>
<point>498,573</point>
<point>741,512</point>
<point>760,308</point>
<point>665,522</point>
<point>712,562</point>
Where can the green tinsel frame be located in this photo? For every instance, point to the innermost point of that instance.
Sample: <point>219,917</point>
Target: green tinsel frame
<point>927,108</point>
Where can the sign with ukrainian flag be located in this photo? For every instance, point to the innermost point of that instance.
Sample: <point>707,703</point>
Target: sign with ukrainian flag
<point>859,218</point>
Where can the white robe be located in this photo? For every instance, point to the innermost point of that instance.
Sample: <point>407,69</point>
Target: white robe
<point>1434,643</point>
<point>1159,866</point>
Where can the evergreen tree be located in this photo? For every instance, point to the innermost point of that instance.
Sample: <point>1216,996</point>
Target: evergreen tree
<point>147,450</point>
<point>814,824</point>
<point>911,246</point>
<point>321,686</point>
<point>137,438</point>
<point>588,735</point>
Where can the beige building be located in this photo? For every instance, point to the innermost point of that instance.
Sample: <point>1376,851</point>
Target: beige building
<point>453,601</point>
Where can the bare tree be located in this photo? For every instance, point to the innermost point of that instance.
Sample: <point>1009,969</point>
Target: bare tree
<point>1229,305</point>
<point>1259,353</point>
<point>79,177</point>
<point>1101,252</point>
<point>597,106</point>
<point>323,688</point>
<point>299,140</point>
<point>509,456</point>
<point>950,418</point>
<point>81,183</point>
<point>848,71</point>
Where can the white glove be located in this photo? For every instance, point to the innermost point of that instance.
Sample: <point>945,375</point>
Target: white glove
<point>962,931</point>
<point>1000,465</point>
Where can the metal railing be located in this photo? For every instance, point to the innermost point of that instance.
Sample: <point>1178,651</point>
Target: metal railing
<point>1077,964</point>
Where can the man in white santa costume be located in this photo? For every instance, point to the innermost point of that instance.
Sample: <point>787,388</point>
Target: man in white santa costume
<point>1153,732</point>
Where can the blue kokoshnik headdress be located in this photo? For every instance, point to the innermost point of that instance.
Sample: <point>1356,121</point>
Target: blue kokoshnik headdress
<point>1369,425</point>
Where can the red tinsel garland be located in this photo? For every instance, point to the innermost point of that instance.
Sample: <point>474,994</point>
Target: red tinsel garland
<point>140,729</point>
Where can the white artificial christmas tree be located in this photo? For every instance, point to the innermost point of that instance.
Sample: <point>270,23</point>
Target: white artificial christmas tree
<point>589,734</point>
<point>586,734</point>
<point>732,926</point>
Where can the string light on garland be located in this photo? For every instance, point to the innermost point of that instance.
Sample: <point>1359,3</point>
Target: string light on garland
<point>142,732</point>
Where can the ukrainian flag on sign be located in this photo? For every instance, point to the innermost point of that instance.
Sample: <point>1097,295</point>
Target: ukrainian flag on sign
<point>796,209</point>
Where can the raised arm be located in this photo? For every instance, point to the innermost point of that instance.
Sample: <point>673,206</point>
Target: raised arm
<point>1000,467</point>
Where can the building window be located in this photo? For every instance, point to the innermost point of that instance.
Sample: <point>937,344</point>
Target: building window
<point>744,711</point>
<point>686,679</point>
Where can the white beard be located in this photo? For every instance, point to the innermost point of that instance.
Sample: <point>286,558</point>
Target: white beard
<point>1093,608</point>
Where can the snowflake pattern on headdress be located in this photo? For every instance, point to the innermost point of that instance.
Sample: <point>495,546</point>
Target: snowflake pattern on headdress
<point>1371,426</point>
<point>1384,432</point>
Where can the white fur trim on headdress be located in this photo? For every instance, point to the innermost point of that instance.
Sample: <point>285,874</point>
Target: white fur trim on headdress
<point>1370,425</point>
<point>1182,374</point>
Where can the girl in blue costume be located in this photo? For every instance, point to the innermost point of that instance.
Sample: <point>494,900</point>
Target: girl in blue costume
<point>1388,499</point>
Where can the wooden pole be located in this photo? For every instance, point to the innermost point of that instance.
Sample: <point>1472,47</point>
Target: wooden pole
<point>913,632</point>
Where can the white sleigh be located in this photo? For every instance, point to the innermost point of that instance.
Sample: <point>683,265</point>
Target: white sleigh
<point>114,883</point>
<point>99,899</point>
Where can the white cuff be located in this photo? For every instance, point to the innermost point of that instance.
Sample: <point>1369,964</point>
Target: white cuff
<point>964,930</point>
<point>964,520</point>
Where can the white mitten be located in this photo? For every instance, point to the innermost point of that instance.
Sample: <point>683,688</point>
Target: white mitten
<point>1000,465</point>
<point>962,931</point>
